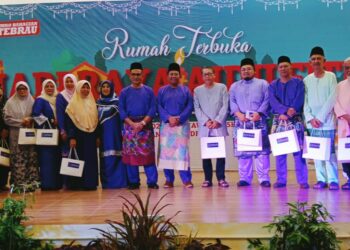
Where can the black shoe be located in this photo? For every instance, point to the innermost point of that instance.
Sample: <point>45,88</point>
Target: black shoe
<point>153,186</point>
<point>265,184</point>
<point>133,186</point>
<point>242,184</point>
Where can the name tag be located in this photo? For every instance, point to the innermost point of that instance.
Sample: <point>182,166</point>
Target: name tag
<point>282,140</point>
<point>213,145</point>
<point>314,145</point>
<point>347,145</point>
<point>73,165</point>
<point>30,134</point>
<point>248,135</point>
<point>46,135</point>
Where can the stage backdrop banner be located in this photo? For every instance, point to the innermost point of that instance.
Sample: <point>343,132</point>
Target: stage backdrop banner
<point>98,41</point>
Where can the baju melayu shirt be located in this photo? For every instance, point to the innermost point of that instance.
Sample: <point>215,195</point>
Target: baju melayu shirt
<point>320,96</point>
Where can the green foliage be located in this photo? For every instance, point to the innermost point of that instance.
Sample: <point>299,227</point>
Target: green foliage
<point>12,232</point>
<point>142,227</point>
<point>302,229</point>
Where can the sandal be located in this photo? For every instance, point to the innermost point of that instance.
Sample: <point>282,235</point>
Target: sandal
<point>168,184</point>
<point>188,184</point>
<point>206,184</point>
<point>346,186</point>
<point>223,183</point>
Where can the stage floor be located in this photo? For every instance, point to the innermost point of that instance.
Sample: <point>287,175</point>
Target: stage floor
<point>252,204</point>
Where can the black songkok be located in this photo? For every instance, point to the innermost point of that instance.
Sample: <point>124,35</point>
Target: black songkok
<point>317,51</point>
<point>247,61</point>
<point>283,59</point>
<point>136,65</point>
<point>174,67</point>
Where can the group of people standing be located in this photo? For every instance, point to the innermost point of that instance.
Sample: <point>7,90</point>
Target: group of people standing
<point>122,127</point>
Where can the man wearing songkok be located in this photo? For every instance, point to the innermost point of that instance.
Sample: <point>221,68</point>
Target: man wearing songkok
<point>211,108</point>
<point>342,111</point>
<point>137,108</point>
<point>320,95</point>
<point>175,105</point>
<point>249,105</point>
<point>286,95</point>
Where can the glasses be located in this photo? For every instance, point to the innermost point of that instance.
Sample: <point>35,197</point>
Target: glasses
<point>19,89</point>
<point>136,74</point>
<point>208,74</point>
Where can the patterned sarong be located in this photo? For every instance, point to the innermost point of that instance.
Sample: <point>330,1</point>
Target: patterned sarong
<point>138,149</point>
<point>173,150</point>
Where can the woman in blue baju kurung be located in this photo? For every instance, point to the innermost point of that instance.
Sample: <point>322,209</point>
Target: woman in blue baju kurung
<point>81,131</point>
<point>48,156</point>
<point>113,171</point>
<point>62,100</point>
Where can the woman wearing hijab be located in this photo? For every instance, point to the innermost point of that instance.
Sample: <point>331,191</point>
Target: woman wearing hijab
<point>81,131</point>
<point>62,100</point>
<point>113,171</point>
<point>4,171</point>
<point>23,158</point>
<point>44,114</point>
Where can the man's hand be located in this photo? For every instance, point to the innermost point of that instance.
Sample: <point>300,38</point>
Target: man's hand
<point>291,112</point>
<point>346,117</point>
<point>283,118</point>
<point>256,117</point>
<point>315,123</point>
<point>241,117</point>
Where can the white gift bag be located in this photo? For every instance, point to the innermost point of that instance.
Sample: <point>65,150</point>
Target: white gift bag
<point>213,147</point>
<point>317,148</point>
<point>249,139</point>
<point>47,137</point>
<point>27,136</point>
<point>285,142</point>
<point>4,154</point>
<point>72,167</point>
<point>344,150</point>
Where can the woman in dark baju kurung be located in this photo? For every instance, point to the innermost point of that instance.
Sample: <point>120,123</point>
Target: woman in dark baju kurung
<point>48,156</point>
<point>62,100</point>
<point>81,131</point>
<point>113,171</point>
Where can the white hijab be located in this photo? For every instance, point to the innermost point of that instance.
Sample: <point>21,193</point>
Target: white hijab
<point>83,110</point>
<point>68,94</point>
<point>51,99</point>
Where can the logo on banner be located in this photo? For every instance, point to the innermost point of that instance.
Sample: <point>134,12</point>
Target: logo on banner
<point>19,28</point>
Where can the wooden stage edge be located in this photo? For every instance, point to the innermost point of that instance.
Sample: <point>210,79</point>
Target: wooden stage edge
<point>232,214</point>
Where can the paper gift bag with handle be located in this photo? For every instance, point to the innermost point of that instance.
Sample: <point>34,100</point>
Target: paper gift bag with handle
<point>284,142</point>
<point>72,167</point>
<point>4,154</point>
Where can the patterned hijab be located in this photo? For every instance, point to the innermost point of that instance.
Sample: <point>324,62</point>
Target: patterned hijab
<point>82,110</point>
<point>107,104</point>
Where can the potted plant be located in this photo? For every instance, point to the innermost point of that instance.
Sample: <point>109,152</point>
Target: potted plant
<point>301,229</point>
